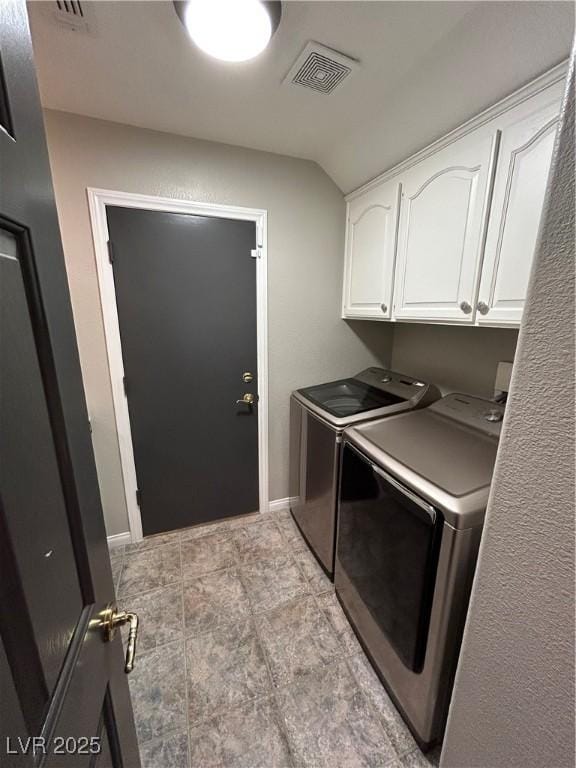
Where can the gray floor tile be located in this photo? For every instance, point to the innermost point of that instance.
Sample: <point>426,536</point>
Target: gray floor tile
<point>224,668</point>
<point>160,615</point>
<point>329,722</point>
<point>273,582</point>
<point>291,533</point>
<point>158,540</point>
<point>213,600</point>
<point>418,759</point>
<point>205,554</point>
<point>116,563</point>
<point>240,520</point>
<point>370,685</point>
<point>248,736</point>
<point>170,751</point>
<point>158,690</point>
<point>316,577</point>
<point>297,638</point>
<point>150,569</point>
<point>334,713</point>
<point>335,615</point>
<point>218,526</point>
<point>197,531</point>
<point>258,540</point>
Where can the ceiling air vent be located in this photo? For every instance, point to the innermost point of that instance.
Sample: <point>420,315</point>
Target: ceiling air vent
<point>320,68</point>
<point>71,14</point>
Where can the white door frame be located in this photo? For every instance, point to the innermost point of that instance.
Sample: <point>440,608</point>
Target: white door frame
<point>98,200</point>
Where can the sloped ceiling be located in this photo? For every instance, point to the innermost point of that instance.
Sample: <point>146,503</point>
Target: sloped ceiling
<point>425,67</point>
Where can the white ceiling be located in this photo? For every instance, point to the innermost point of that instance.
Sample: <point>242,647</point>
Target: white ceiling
<point>425,67</point>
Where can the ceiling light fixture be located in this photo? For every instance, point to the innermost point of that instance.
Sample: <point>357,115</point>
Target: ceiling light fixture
<point>230,30</point>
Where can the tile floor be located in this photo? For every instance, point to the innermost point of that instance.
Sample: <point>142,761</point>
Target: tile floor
<point>245,658</point>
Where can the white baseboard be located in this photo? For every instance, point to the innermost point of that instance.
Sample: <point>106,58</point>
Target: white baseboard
<point>119,539</point>
<point>279,504</point>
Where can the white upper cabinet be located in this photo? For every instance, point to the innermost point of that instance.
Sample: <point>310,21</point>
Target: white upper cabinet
<point>527,141</point>
<point>442,222</point>
<point>370,250</point>
<point>449,234</point>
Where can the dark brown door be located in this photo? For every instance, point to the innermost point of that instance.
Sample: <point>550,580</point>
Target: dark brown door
<point>64,696</point>
<point>186,298</point>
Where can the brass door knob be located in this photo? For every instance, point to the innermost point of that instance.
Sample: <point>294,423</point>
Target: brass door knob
<point>247,399</point>
<point>111,620</point>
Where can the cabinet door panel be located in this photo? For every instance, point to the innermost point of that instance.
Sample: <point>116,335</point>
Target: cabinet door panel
<point>520,186</point>
<point>442,217</point>
<point>370,253</point>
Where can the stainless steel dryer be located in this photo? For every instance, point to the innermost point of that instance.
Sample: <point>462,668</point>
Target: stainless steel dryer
<point>319,414</point>
<point>412,499</point>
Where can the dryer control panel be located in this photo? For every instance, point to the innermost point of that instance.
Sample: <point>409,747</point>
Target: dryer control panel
<point>485,415</point>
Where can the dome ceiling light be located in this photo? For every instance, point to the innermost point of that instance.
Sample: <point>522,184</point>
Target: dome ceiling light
<point>230,30</point>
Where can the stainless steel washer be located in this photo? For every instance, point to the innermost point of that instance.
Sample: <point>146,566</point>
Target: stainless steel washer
<point>318,415</point>
<point>412,499</point>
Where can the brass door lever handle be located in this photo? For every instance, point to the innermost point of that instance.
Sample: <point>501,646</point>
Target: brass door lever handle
<point>247,399</point>
<point>112,619</point>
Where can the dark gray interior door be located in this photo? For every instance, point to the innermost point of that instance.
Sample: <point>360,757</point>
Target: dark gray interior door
<point>186,299</point>
<point>64,697</point>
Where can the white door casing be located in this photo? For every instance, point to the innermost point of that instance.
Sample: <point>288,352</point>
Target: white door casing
<point>443,213</point>
<point>371,231</point>
<point>527,143</point>
<point>98,200</point>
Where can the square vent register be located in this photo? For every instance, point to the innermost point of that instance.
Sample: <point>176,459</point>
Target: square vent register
<point>320,68</point>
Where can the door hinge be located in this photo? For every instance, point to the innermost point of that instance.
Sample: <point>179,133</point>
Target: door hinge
<point>110,252</point>
<point>255,253</point>
<point>259,235</point>
<point>138,497</point>
<point>125,385</point>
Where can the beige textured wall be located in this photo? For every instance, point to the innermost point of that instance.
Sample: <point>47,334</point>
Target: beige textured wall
<point>513,702</point>
<point>456,359</point>
<point>308,343</point>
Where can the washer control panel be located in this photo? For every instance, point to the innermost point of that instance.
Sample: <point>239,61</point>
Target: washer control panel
<point>413,390</point>
<point>485,415</point>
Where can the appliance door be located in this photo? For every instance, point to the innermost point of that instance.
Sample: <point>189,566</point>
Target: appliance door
<point>347,397</point>
<point>388,544</point>
<point>314,509</point>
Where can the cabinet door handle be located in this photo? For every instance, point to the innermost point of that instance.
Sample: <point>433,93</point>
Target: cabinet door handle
<point>465,307</point>
<point>482,307</point>
<point>384,307</point>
